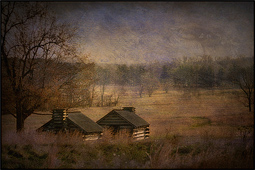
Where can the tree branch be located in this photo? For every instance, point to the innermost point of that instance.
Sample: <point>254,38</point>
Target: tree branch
<point>11,113</point>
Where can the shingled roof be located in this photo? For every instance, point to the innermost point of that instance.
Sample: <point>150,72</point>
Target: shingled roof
<point>128,116</point>
<point>80,121</point>
<point>84,122</point>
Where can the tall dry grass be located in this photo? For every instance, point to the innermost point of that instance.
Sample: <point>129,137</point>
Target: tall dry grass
<point>209,130</point>
<point>44,150</point>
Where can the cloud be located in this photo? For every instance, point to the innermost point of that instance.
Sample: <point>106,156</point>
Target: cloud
<point>128,32</point>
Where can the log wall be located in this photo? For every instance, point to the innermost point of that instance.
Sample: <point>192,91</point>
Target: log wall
<point>141,133</point>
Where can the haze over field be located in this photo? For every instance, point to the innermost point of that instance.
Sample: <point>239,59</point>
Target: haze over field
<point>131,32</point>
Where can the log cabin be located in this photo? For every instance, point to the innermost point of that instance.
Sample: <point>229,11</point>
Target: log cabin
<point>126,119</point>
<point>72,121</point>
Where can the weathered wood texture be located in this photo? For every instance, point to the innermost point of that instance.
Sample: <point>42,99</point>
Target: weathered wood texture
<point>126,119</point>
<point>114,119</point>
<point>141,133</point>
<point>76,121</point>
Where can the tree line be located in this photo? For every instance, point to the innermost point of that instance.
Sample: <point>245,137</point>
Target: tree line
<point>193,72</point>
<point>201,72</point>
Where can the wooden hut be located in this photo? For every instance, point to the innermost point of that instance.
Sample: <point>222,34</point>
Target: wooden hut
<point>72,121</point>
<point>126,119</point>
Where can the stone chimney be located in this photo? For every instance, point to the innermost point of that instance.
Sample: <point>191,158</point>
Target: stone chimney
<point>131,109</point>
<point>59,118</point>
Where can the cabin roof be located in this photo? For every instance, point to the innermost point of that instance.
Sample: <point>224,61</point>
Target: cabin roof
<point>84,122</point>
<point>128,116</point>
<point>133,118</point>
<point>46,125</point>
<point>80,120</point>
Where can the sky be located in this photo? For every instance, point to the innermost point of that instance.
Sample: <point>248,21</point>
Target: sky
<point>142,32</point>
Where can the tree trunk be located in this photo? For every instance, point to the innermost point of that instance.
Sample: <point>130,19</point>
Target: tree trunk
<point>92,96</point>
<point>249,104</point>
<point>141,91</point>
<point>19,119</point>
<point>102,99</point>
<point>102,95</point>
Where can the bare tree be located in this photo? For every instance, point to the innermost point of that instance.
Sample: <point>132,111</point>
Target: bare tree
<point>242,75</point>
<point>139,74</point>
<point>92,94</point>
<point>33,47</point>
<point>77,90</point>
<point>140,89</point>
<point>103,77</point>
<point>151,83</point>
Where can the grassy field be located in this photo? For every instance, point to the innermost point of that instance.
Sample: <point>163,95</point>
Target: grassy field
<point>209,129</point>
